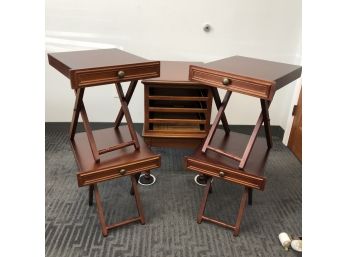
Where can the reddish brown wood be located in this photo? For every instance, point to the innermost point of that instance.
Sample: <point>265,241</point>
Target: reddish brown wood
<point>175,142</point>
<point>175,108</point>
<point>122,223</point>
<point>295,139</point>
<point>77,107</point>
<point>224,153</point>
<point>217,101</point>
<point>243,203</point>
<point>104,226</point>
<point>137,199</point>
<point>136,176</point>
<point>125,109</point>
<point>212,163</point>
<point>179,98</point>
<point>266,121</point>
<point>251,142</point>
<point>89,133</point>
<point>112,163</point>
<point>116,147</point>
<point>98,67</point>
<point>100,211</point>
<point>204,201</point>
<point>216,121</point>
<point>255,77</point>
<point>128,97</point>
<point>218,222</point>
<point>236,227</point>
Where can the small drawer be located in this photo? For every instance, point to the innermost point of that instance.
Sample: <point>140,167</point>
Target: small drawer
<point>91,177</point>
<point>231,175</point>
<point>106,75</point>
<point>260,89</point>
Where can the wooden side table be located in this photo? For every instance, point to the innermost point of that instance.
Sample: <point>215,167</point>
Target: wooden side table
<point>114,152</point>
<point>177,111</point>
<point>229,156</point>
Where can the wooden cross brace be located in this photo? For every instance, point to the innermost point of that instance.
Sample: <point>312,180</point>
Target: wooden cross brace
<point>263,118</point>
<point>105,227</point>
<point>247,194</point>
<point>79,108</point>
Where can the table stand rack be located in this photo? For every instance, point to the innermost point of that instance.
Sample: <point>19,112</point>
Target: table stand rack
<point>79,108</point>
<point>246,197</point>
<point>263,118</point>
<point>105,227</point>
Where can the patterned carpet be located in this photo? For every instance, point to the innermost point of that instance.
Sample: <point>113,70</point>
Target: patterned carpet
<point>171,206</point>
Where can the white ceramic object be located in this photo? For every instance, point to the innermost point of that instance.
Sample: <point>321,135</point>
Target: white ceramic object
<point>285,240</point>
<point>296,244</point>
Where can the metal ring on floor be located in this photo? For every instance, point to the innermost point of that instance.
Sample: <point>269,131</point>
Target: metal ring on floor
<point>200,184</point>
<point>152,176</point>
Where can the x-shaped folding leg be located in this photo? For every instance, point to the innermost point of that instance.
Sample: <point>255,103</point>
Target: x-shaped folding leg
<point>235,227</point>
<point>79,108</point>
<point>105,228</point>
<point>263,118</point>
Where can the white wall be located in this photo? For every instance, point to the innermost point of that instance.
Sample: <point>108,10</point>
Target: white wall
<point>172,30</point>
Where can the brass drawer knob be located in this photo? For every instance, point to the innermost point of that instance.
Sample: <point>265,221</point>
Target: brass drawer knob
<point>120,74</point>
<point>221,174</point>
<point>226,81</point>
<point>123,171</point>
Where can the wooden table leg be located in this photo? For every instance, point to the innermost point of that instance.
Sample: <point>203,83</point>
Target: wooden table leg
<point>77,108</point>
<point>266,121</point>
<point>90,198</point>
<point>100,211</point>
<point>250,196</point>
<point>204,201</point>
<point>128,97</point>
<point>136,178</point>
<point>217,101</point>
<point>243,203</point>
<point>137,199</point>
<point>251,142</point>
<point>216,121</point>
<point>125,109</point>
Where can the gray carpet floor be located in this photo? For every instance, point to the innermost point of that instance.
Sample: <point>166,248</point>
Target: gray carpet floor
<point>171,206</point>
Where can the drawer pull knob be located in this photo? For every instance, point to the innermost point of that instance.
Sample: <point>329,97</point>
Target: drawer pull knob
<point>120,74</point>
<point>122,171</point>
<point>221,174</point>
<point>226,81</point>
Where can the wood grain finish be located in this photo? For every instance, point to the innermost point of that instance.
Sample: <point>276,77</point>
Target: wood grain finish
<point>176,108</point>
<point>216,165</point>
<point>173,72</point>
<point>97,67</point>
<point>122,162</point>
<point>295,138</point>
<point>250,76</point>
<point>262,89</point>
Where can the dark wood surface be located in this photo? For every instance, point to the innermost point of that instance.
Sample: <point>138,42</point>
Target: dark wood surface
<point>173,72</point>
<point>111,163</point>
<point>98,67</point>
<point>280,73</point>
<point>78,60</point>
<point>212,163</point>
<point>250,76</point>
<point>177,111</point>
